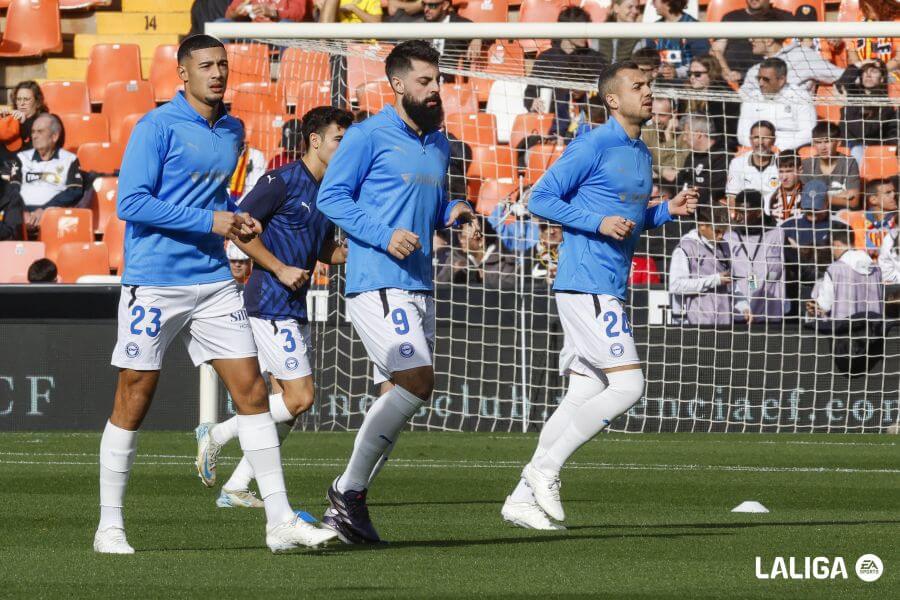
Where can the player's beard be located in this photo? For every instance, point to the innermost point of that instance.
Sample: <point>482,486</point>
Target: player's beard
<point>428,118</point>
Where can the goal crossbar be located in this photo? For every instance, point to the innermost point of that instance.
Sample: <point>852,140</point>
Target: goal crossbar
<point>410,31</point>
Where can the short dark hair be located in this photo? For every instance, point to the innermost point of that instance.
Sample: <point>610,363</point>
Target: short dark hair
<point>573,14</point>
<point>647,57</point>
<point>841,232</point>
<point>774,63</point>
<point>711,215</point>
<point>789,158</point>
<point>43,270</point>
<point>749,199</point>
<point>873,185</point>
<point>200,41</point>
<point>767,124</point>
<point>676,6</point>
<point>292,135</point>
<point>608,76</point>
<point>825,129</point>
<point>399,61</point>
<point>318,119</point>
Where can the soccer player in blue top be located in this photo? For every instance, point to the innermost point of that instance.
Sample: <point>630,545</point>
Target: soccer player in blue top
<point>173,195</point>
<point>295,235</point>
<point>387,189</point>
<point>599,191</point>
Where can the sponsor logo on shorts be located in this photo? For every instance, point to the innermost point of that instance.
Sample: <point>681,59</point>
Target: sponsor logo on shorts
<point>617,350</point>
<point>406,350</point>
<point>239,316</point>
<point>132,350</point>
<point>291,363</point>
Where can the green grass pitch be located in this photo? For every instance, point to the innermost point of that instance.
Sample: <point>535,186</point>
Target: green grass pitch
<point>648,516</point>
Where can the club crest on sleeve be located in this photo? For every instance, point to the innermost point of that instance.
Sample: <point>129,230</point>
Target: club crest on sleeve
<point>617,350</point>
<point>291,363</point>
<point>406,350</point>
<point>132,350</point>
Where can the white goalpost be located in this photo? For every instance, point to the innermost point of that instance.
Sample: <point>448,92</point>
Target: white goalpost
<point>508,118</point>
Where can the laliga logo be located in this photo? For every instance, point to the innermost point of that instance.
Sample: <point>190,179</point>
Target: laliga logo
<point>868,568</point>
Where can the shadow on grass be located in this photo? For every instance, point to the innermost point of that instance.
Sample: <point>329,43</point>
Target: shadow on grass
<point>733,525</point>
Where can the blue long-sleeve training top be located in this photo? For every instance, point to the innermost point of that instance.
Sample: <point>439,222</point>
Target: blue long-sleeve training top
<point>600,174</point>
<point>174,176</point>
<point>385,177</point>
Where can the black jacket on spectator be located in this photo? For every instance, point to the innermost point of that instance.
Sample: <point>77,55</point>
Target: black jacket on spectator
<point>707,171</point>
<point>582,65</point>
<point>206,11</point>
<point>11,211</point>
<point>460,157</point>
<point>739,53</point>
<point>870,125</point>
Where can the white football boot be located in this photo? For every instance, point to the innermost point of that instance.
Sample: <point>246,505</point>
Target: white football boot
<point>207,454</point>
<point>546,491</point>
<point>238,499</point>
<point>112,541</point>
<point>527,515</point>
<point>295,533</point>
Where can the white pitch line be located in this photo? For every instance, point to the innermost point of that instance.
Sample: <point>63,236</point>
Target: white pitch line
<point>435,464</point>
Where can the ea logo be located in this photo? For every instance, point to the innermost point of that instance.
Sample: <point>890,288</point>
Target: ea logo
<point>869,567</point>
<point>406,350</point>
<point>291,363</point>
<point>132,350</point>
<point>617,350</point>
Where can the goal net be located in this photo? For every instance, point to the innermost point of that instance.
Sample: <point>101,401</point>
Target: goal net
<point>754,316</point>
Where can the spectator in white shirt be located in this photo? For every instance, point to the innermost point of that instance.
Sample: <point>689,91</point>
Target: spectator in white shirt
<point>805,66</point>
<point>790,110</point>
<point>889,256</point>
<point>757,169</point>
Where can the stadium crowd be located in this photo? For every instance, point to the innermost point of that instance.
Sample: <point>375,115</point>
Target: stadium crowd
<point>792,220</point>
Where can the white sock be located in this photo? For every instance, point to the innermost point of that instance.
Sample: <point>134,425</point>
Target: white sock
<point>117,450</point>
<point>227,430</point>
<point>625,389</point>
<point>385,419</point>
<point>580,390</point>
<point>259,441</point>
<point>243,473</point>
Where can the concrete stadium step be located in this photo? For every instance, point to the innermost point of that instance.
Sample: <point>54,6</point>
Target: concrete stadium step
<point>147,42</point>
<point>75,69</point>
<point>158,6</point>
<point>143,23</point>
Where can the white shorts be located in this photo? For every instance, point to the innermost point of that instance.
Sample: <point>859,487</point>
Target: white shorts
<point>150,317</point>
<point>597,334</point>
<point>285,347</point>
<point>396,327</point>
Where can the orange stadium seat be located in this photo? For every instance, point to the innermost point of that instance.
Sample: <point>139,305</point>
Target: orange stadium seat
<point>365,64</point>
<point>792,6</point>
<point>540,157</point>
<point>246,62</point>
<point>849,11</point>
<point>493,191</point>
<point>304,65</point>
<point>473,128</point>
<point>164,73</point>
<point>100,157</point>
<point>716,9</point>
<point>539,11</point>
<point>504,57</point>
<point>80,129</point>
<point>826,106</point>
<point>373,96</point>
<point>111,62</point>
<point>894,89</point>
<point>492,162</point>
<point>82,4</point>
<point>528,124</point>
<point>16,257</point>
<point>124,98</point>
<point>311,94</point>
<point>879,162</point>
<point>32,29</point>
<point>258,97</point>
<point>103,200</point>
<point>66,97</point>
<point>126,127</point>
<point>485,11</point>
<point>114,238</point>
<point>62,225</point>
<point>263,131</point>
<point>75,259</point>
<point>459,97</point>
<point>597,11</point>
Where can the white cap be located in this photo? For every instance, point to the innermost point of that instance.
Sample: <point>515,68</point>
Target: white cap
<point>233,252</point>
